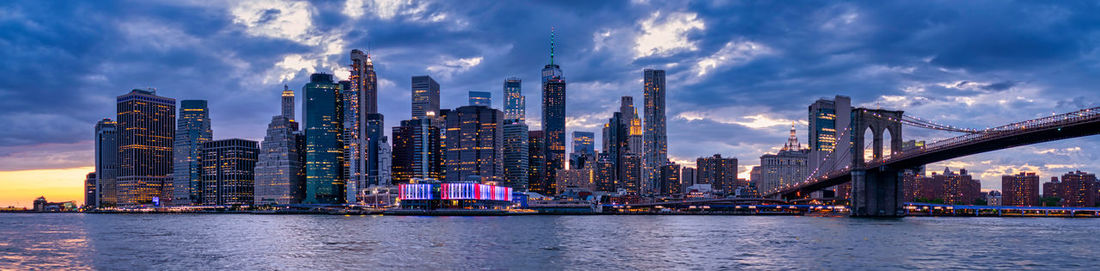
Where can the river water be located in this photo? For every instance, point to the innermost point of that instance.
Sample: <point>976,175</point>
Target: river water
<point>326,242</point>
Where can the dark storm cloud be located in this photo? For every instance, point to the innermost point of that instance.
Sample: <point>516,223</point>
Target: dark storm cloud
<point>970,64</point>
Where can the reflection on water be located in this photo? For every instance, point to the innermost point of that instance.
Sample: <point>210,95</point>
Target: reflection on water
<point>123,241</point>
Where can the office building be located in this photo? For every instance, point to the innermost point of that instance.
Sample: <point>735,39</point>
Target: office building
<point>482,98</point>
<point>516,155</point>
<point>583,179</point>
<point>425,97</point>
<point>192,129</point>
<point>417,151</point>
<point>474,143</point>
<point>787,167</point>
<point>515,104</point>
<point>829,138</point>
<point>655,137</point>
<point>90,190</point>
<point>1020,190</point>
<point>537,180</point>
<point>584,149</point>
<point>553,118</point>
<point>106,162</point>
<point>146,128</point>
<point>670,182</point>
<point>323,114</point>
<point>228,171</point>
<point>280,167</point>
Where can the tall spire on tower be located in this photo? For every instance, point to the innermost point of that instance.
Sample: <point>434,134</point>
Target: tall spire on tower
<point>551,46</point>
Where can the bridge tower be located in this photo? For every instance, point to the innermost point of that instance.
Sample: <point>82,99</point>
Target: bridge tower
<point>876,192</point>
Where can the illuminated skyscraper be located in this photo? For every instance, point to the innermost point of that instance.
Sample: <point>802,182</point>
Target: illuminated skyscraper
<point>192,129</point>
<point>553,118</point>
<point>829,137</point>
<point>417,152</point>
<point>362,125</point>
<point>323,113</point>
<point>655,136</point>
<point>474,144</point>
<point>90,190</point>
<point>536,170</point>
<point>516,145</point>
<point>106,162</point>
<point>228,171</point>
<point>146,127</point>
<point>280,173</point>
<point>515,104</point>
<point>720,173</point>
<point>425,97</point>
<point>483,98</point>
<point>622,138</point>
<point>584,150</point>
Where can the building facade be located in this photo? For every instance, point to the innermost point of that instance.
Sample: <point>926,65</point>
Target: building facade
<point>670,180</point>
<point>1078,189</point>
<point>280,167</point>
<point>425,97</point>
<point>1020,190</point>
<point>655,138</point>
<point>106,162</point>
<point>829,138</point>
<point>417,152</point>
<point>787,167</point>
<point>553,121</point>
<point>146,128</point>
<point>537,179</point>
<point>90,190</point>
<point>720,173</point>
<point>228,171</point>
<point>474,144</point>
<point>323,112</point>
<point>192,129</point>
<point>482,98</point>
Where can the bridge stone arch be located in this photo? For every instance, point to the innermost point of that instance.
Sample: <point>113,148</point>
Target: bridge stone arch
<point>879,121</point>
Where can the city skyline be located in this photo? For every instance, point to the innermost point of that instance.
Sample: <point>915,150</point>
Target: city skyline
<point>706,114</point>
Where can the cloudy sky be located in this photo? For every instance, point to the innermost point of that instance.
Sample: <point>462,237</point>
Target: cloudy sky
<point>739,73</point>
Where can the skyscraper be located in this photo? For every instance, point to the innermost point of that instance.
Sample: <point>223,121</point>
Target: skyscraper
<point>474,144</point>
<point>622,144</point>
<point>145,131</point>
<point>425,97</point>
<point>670,180</point>
<point>584,142</point>
<point>324,120</point>
<point>515,104</point>
<point>228,171</point>
<point>280,173</point>
<point>537,179</point>
<point>416,151</point>
<point>516,145</point>
<point>364,81</point>
<point>483,98</point>
<point>363,126</point>
<point>655,136</point>
<point>192,129</point>
<point>106,162</point>
<point>1020,190</point>
<point>90,190</point>
<point>375,142</point>
<point>553,118</point>
<point>829,138</point>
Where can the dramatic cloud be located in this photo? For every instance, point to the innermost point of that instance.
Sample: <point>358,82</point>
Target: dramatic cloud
<point>738,74</point>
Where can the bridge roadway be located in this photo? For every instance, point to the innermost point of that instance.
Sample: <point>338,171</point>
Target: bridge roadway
<point>1080,123</point>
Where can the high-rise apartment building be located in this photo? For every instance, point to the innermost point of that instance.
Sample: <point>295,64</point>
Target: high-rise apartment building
<point>720,173</point>
<point>323,114</point>
<point>192,129</point>
<point>228,171</point>
<point>106,162</point>
<point>655,137</point>
<point>146,128</point>
<point>1020,190</point>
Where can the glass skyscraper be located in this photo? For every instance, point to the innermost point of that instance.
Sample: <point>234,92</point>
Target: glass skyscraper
<point>482,98</point>
<point>516,148</point>
<point>192,129</point>
<point>474,144</point>
<point>228,171</point>
<point>323,115</point>
<point>416,151</point>
<point>553,123</point>
<point>146,127</point>
<point>655,137</point>
<point>425,97</point>
<point>106,162</point>
<point>515,104</point>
